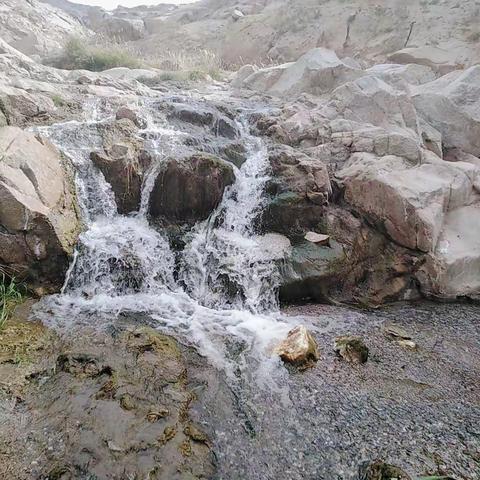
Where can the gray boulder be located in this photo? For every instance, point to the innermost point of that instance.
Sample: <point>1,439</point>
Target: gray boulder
<point>317,72</point>
<point>451,104</point>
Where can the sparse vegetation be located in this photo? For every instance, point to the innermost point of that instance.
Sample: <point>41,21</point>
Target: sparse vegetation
<point>10,296</point>
<point>77,55</point>
<point>58,101</point>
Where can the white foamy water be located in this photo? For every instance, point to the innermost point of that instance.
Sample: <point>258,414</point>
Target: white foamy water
<point>228,275</point>
<point>225,263</point>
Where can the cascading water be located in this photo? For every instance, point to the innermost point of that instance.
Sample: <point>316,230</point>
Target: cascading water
<point>224,257</point>
<point>228,277</point>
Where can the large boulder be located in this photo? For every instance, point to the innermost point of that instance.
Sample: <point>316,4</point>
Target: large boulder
<point>401,76</point>
<point>441,60</point>
<point>309,270</point>
<point>21,108</point>
<point>408,203</point>
<point>189,189</point>
<point>369,100</point>
<point>38,216</point>
<point>317,72</point>
<point>452,270</point>
<point>451,104</point>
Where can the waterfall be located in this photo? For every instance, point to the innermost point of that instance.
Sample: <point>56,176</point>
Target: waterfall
<point>226,276</point>
<point>225,257</point>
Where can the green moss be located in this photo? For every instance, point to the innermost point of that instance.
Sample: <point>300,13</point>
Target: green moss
<point>58,101</point>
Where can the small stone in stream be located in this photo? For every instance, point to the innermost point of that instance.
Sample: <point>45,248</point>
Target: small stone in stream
<point>299,348</point>
<point>237,14</point>
<point>167,435</point>
<point>410,344</point>
<point>395,331</point>
<point>125,112</point>
<point>195,434</point>
<point>351,349</point>
<point>127,402</point>
<point>156,414</point>
<point>379,470</point>
<point>317,238</point>
<point>113,447</point>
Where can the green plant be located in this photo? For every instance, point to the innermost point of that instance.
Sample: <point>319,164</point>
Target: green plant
<point>58,101</point>
<point>78,55</point>
<point>10,295</point>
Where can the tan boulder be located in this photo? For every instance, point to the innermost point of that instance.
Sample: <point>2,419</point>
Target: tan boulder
<point>38,215</point>
<point>317,72</point>
<point>299,348</point>
<point>409,203</point>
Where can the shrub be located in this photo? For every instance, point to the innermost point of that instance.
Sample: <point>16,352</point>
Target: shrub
<point>10,296</point>
<point>77,55</point>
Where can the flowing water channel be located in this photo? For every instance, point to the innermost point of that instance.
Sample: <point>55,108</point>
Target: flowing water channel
<point>123,264</point>
<point>267,423</point>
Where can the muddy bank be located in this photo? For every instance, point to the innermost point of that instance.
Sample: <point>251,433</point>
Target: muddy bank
<point>129,402</point>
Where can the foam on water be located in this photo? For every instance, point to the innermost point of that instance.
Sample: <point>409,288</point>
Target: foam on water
<point>228,274</point>
<point>225,263</point>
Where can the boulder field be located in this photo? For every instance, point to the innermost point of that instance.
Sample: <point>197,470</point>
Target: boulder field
<point>399,145</point>
<point>383,161</point>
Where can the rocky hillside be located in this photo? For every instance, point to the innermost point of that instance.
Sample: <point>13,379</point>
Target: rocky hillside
<point>375,182</point>
<point>36,28</point>
<point>279,31</point>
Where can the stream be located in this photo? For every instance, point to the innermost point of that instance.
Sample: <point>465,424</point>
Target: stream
<point>264,420</point>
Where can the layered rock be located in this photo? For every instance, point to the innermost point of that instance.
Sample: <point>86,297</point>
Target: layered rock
<point>38,217</point>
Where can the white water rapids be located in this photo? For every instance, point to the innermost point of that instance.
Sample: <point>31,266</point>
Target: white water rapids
<point>122,264</point>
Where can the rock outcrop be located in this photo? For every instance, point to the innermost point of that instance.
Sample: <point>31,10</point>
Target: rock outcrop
<point>407,172</point>
<point>38,217</point>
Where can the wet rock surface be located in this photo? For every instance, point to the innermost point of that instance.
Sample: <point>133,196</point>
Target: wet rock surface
<point>104,406</point>
<point>189,190</point>
<point>416,410</point>
<point>131,400</point>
